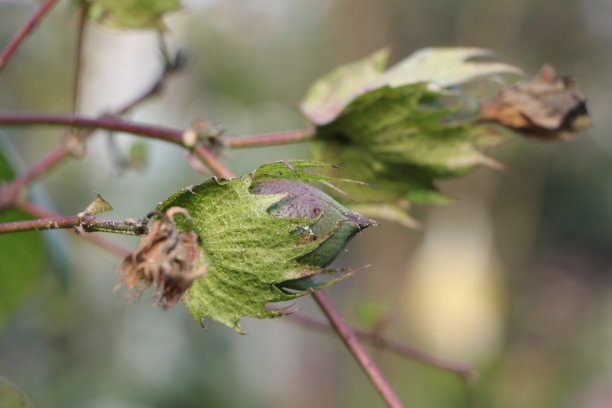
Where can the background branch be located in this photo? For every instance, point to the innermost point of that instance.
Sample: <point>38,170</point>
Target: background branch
<point>352,343</point>
<point>463,370</point>
<point>22,34</point>
<point>269,139</point>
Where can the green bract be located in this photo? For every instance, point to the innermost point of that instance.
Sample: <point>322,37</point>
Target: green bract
<point>400,129</point>
<point>264,237</point>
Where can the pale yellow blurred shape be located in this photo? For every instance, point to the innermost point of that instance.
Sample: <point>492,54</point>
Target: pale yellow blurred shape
<point>451,300</point>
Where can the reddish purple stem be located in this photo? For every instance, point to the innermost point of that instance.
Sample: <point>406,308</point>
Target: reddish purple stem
<point>269,139</point>
<point>352,343</point>
<point>12,46</point>
<point>118,125</point>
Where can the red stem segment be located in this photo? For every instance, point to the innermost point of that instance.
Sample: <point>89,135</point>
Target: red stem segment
<point>406,350</point>
<point>269,139</point>
<point>352,343</point>
<point>12,46</point>
<point>110,246</point>
<point>106,122</point>
<point>118,125</point>
<point>78,58</point>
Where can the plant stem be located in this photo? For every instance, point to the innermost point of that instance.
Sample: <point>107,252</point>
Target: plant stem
<point>352,343</point>
<point>108,245</point>
<point>211,161</point>
<point>167,134</point>
<point>406,350</point>
<point>269,139</point>
<point>38,15</point>
<point>104,122</point>
<point>87,222</point>
<point>78,58</point>
<point>10,191</point>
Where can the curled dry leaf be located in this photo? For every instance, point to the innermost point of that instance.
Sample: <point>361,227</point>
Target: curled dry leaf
<point>165,257</point>
<point>546,107</point>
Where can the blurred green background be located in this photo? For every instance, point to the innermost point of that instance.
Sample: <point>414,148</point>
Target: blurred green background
<point>513,277</point>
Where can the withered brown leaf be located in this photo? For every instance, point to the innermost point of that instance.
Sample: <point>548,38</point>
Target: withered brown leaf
<point>546,107</point>
<point>165,257</point>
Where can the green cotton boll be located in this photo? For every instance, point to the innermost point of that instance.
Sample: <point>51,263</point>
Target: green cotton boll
<point>265,238</point>
<point>335,225</point>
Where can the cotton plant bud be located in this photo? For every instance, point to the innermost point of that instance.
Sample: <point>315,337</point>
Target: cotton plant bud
<point>263,238</point>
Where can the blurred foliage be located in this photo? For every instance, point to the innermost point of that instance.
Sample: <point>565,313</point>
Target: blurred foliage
<point>402,128</point>
<point>11,397</point>
<point>132,13</point>
<point>21,257</point>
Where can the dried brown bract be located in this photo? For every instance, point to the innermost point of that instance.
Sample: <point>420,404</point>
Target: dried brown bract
<point>546,107</point>
<point>165,257</point>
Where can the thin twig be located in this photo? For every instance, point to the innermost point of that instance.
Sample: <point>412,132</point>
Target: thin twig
<point>87,223</point>
<point>105,122</point>
<point>352,343</point>
<point>78,58</point>
<point>269,139</point>
<point>9,192</point>
<point>210,160</point>
<point>95,239</point>
<point>406,350</point>
<point>38,15</point>
<point>167,134</point>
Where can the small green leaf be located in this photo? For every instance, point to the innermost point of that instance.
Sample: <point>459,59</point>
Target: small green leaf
<point>264,236</point>
<point>134,14</point>
<point>21,256</point>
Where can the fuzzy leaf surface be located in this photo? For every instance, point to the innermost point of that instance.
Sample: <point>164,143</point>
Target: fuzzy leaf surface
<point>400,142</point>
